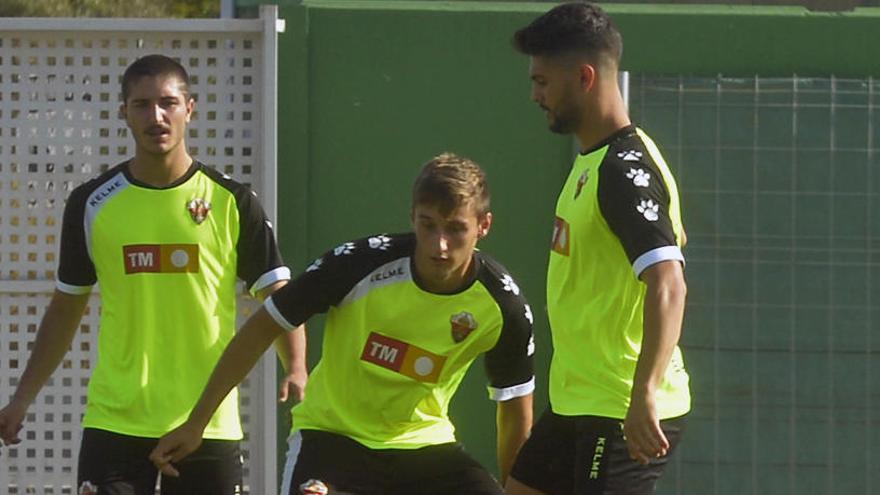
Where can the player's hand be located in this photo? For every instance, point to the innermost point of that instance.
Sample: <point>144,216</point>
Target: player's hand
<point>641,429</point>
<point>293,386</point>
<point>174,446</point>
<point>11,418</point>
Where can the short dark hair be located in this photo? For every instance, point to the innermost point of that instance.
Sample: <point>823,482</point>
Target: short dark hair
<point>153,66</point>
<point>576,28</point>
<point>449,181</point>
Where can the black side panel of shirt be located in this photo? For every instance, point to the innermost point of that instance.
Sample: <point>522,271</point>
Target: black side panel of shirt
<point>620,197</point>
<point>75,266</point>
<point>327,281</point>
<point>257,249</point>
<point>508,363</point>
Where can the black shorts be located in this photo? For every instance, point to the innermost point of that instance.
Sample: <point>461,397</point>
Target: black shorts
<point>587,455</point>
<point>347,467</point>
<point>114,464</point>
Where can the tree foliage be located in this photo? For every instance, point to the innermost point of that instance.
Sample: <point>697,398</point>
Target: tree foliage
<point>110,8</point>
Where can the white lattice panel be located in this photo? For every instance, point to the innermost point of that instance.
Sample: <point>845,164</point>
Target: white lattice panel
<point>60,126</point>
<point>46,458</point>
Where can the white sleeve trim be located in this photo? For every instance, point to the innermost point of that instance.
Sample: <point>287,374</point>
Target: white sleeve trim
<point>269,278</point>
<point>276,315</point>
<point>507,393</point>
<point>654,256</point>
<point>75,290</point>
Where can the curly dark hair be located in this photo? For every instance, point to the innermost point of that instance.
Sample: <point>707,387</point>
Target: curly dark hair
<point>576,28</point>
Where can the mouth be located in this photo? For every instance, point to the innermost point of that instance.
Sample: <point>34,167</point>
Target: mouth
<point>158,132</point>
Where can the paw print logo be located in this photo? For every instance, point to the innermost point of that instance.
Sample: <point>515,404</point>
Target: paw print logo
<point>639,177</point>
<point>649,210</point>
<point>529,315</point>
<point>381,242</point>
<point>315,265</point>
<point>531,347</point>
<point>630,155</point>
<point>510,285</point>
<point>342,249</point>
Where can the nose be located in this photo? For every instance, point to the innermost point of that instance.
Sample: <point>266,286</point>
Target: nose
<point>155,113</point>
<point>536,94</point>
<point>443,243</point>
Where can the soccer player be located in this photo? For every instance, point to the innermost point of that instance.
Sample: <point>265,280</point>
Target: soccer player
<point>406,316</point>
<point>167,238</point>
<point>615,286</point>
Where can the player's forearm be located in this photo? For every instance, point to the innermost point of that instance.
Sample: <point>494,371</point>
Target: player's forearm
<point>514,422</point>
<point>240,356</point>
<point>663,315</point>
<point>56,332</point>
<point>291,346</point>
<point>291,349</point>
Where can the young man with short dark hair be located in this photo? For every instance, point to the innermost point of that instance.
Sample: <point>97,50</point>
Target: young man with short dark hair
<point>167,238</point>
<point>406,316</point>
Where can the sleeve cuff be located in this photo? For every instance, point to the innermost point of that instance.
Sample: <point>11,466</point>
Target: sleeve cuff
<point>75,290</point>
<point>269,278</point>
<point>276,315</point>
<point>507,393</point>
<point>654,256</point>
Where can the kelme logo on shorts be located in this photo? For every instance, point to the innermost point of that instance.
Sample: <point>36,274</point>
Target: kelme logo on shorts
<point>161,258</point>
<point>595,466</point>
<point>406,359</point>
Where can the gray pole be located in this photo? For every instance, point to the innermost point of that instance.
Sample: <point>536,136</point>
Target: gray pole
<point>227,9</point>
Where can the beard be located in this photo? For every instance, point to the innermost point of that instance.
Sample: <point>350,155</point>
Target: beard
<point>565,120</point>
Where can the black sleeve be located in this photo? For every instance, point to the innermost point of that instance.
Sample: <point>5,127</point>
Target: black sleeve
<point>328,279</point>
<point>258,254</point>
<point>510,364</point>
<point>75,267</point>
<point>634,200</point>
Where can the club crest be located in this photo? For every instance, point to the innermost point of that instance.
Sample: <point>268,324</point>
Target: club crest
<point>198,209</point>
<point>580,183</point>
<point>462,325</point>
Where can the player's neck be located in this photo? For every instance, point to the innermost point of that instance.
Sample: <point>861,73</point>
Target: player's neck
<point>160,170</point>
<point>607,116</point>
<point>451,283</point>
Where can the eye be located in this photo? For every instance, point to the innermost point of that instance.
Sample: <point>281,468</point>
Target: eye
<point>457,228</point>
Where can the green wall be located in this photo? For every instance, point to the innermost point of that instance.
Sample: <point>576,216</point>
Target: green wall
<point>370,90</point>
<point>375,94</point>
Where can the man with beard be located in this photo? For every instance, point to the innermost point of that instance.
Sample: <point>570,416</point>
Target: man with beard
<point>615,283</point>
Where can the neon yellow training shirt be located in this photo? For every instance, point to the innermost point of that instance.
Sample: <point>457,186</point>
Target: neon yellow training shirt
<point>393,353</point>
<point>167,261</point>
<point>617,215</point>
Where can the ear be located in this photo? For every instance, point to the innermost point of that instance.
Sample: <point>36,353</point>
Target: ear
<point>588,76</point>
<point>123,111</point>
<point>190,106</point>
<point>484,224</point>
